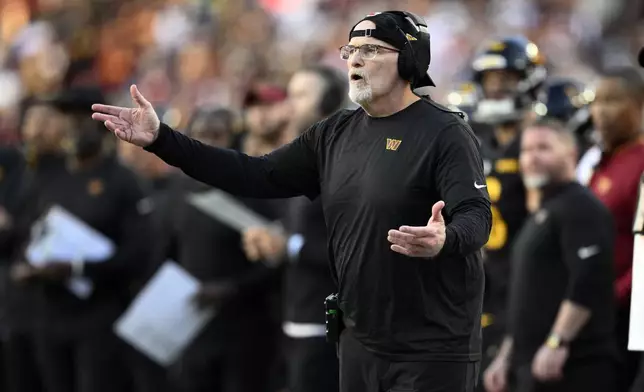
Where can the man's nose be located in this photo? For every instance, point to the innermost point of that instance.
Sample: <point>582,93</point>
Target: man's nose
<point>356,60</point>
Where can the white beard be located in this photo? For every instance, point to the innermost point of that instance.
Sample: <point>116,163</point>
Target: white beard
<point>360,93</point>
<point>535,181</point>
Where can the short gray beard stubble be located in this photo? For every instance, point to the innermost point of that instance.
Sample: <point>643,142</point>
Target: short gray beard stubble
<point>361,95</point>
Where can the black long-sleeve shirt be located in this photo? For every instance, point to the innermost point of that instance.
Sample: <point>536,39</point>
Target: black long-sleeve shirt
<point>563,252</point>
<point>373,175</point>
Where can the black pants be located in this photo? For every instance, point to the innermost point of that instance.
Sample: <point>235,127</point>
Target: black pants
<point>362,371</point>
<point>597,375</point>
<point>93,363</point>
<point>240,364</point>
<point>312,365</point>
<point>19,360</point>
<point>144,374</point>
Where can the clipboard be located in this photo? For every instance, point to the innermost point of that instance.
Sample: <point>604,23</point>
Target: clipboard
<point>228,210</point>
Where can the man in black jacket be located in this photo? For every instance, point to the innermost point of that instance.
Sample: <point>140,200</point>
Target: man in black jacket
<point>314,93</point>
<point>76,348</point>
<point>561,310</point>
<point>404,199</point>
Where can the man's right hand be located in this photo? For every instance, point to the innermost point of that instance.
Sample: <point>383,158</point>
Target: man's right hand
<point>495,378</point>
<point>139,126</point>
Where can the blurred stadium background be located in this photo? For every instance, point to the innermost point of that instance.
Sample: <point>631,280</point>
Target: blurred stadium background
<point>189,53</point>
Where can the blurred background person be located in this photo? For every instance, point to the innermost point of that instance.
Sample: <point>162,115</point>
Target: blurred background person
<point>618,113</point>
<point>312,364</point>
<point>265,117</point>
<point>235,351</point>
<point>162,180</point>
<point>508,74</point>
<point>75,347</point>
<point>40,160</point>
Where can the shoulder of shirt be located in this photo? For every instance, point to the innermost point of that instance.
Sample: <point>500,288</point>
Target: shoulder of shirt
<point>579,200</point>
<point>447,120</point>
<point>444,118</point>
<point>448,116</point>
<point>336,119</point>
<point>633,153</point>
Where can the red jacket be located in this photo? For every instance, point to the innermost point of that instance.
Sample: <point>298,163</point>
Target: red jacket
<point>616,182</point>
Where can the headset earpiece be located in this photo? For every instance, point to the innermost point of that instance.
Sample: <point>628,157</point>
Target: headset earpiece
<point>414,58</point>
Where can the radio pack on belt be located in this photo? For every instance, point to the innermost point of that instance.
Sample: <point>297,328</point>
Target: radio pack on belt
<point>334,323</point>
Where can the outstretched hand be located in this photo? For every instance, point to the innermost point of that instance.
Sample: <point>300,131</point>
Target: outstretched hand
<point>421,241</point>
<point>139,126</point>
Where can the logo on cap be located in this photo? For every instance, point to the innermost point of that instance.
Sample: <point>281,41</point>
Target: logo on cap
<point>410,37</point>
<point>496,46</point>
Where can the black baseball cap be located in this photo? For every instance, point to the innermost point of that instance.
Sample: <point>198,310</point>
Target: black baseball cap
<point>388,29</point>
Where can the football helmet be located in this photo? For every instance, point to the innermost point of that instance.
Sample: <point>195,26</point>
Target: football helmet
<point>508,96</point>
<point>568,101</point>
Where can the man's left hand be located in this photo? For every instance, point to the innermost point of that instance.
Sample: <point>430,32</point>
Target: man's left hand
<point>421,241</point>
<point>548,363</point>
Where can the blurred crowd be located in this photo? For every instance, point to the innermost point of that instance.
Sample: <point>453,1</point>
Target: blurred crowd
<point>190,53</point>
<point>249,75</point>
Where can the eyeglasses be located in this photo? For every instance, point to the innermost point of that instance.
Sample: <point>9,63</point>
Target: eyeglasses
<point>367,52</point>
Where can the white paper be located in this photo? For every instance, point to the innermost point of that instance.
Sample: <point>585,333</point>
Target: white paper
<point>163,320</point>
<point>59,235</point>
<point>636,329</point>
<point>227,209</point>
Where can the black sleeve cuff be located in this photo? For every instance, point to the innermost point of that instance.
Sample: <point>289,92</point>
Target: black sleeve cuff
<point>162,136</point>
<point>450,243</point>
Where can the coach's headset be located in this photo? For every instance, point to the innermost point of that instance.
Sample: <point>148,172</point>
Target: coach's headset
<point>414,58</point>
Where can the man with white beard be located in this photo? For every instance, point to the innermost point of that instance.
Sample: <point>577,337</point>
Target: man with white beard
<point>405,204</point>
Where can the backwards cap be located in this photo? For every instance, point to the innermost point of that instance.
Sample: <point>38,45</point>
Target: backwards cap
<point>388,29</point>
